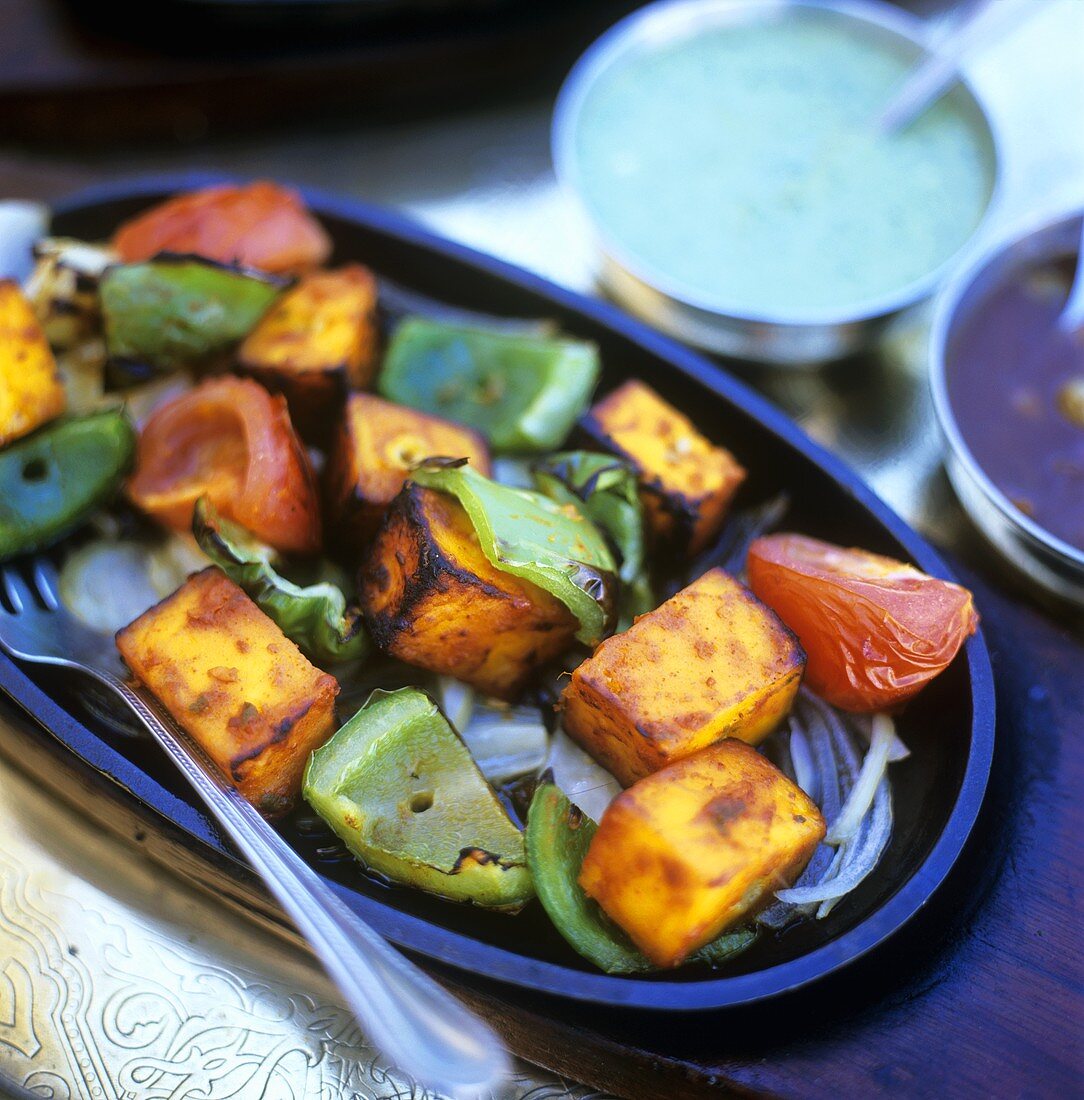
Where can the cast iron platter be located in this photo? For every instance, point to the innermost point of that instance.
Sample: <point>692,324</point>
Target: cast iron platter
<point>949,728</point>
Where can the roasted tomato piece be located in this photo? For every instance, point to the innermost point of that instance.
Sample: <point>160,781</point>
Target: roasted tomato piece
<point>231,441</point>
<point>875,630</point>
<point>257,225</point>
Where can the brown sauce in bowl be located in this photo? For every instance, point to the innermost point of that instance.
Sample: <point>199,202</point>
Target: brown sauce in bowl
<point>1015,382</point>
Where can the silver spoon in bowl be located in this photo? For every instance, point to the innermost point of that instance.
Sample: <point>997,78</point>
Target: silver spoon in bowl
<point>1072,313</point>
<point>940,67</point>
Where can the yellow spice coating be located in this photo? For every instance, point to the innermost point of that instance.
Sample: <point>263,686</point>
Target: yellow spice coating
<point>695,848</point>
<point>377,445</point>
<point>711,662</point>
<point>686,482</point>
<point>317,342</point>
<point>31,392</point>
<point>432,599</point>
<point>235,683</point>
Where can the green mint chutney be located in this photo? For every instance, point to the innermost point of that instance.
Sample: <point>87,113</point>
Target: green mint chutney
<point>740,169</point>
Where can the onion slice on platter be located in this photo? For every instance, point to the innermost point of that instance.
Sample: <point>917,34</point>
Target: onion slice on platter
<point>586,783</point>
<point>822,753</point>
<point>108,582</point>
<point>869,779</point>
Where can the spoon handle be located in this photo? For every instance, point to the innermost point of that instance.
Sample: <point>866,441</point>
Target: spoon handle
<point>411,1019</point>
<point>928,82</point>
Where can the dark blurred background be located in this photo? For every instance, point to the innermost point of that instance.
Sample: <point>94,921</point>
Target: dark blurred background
<point>85,80</point>
<point>442,109</point>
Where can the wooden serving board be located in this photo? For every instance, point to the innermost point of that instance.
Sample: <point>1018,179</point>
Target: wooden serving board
<point>979,996</point>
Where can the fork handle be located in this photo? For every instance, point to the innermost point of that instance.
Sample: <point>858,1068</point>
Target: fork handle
<point>403,1012</point>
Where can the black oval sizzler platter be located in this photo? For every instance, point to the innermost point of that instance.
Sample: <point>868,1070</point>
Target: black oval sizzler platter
<point>949,727</point>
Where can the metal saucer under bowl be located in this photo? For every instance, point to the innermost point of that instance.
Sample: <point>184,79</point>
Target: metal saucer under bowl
<point>766,338</point>
<point>1054,565</point>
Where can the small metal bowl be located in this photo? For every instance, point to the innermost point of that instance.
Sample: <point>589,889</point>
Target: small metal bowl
<point>778,339</point>
<point>1053,564</point>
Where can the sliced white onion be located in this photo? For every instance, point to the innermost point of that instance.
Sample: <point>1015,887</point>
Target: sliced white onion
<point>507,743</point>
<point>107,584</point>
<point>778,751</point>
<point>781,913</point>
<point>826,761</point>
<point>868,853</point>
<point>586,783</point>
<point>805,772</point>
<point>82,257</point>
<point>855,797</point>
<point>843,740</point>
<point>897,750</point>
<point>456,700</point>
<point>82,371</point>
<point>863,723</point>
<point>856,860</point>
<point>869,778</point>
<point>173,560</point>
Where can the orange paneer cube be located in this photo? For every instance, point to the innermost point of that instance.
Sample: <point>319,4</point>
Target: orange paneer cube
<point>236,684</point>
<point>31,392</point>
<point>711,662</point>
<point>377,446</point>
<point>690,851</point>
<point>315,344</point>
<point>433,599</point>
<point>686,483</point>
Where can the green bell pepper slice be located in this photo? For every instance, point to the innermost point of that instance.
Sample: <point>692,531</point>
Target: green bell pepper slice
<point>605,488</point>
<point>400,789</point>
<point>174,311</point>
<point>558,836</point>
<point>315,617</point>
<point>525,533</point>
<point>524,393</point>
<point>52,480</point>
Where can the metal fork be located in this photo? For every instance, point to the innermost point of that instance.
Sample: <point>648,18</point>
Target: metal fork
<point>408,1017</point>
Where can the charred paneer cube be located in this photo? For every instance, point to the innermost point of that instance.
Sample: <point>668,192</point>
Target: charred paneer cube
<point>433,599</point>
<point>315,344</point>
<point>236,684</point>
<point>690,851</point>
<point>31,391</point>
<point>686,483</point>
<point>711,662</point>
<point>377,445</point>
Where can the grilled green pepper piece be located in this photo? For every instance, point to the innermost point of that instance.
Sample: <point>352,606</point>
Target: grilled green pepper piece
<point>174,311</point>
<point>316,616</point>
<point>522,392</point>
<point>558,836</point>
<point>401,790</point>
<point>525,533</point>
<point>604,488</point>
<point>52,480</point>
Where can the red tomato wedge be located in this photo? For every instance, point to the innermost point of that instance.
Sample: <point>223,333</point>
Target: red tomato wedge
<point>258,225</point>
<point>230,440</point>
<point>874,629</point>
